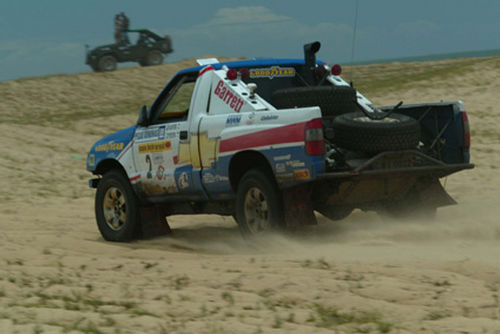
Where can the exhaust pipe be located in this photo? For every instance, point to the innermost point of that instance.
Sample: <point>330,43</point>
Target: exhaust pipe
<point>310,54</point>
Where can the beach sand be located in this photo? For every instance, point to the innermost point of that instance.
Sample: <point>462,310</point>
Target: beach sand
<point>364,274</point>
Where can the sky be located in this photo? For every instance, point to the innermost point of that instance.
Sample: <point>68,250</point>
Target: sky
<point>48,37</point>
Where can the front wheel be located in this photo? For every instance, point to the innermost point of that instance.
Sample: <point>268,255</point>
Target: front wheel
<point>116,208</point>
<point>259,207</point>
<point>106,63</point>
<point>154,57</point>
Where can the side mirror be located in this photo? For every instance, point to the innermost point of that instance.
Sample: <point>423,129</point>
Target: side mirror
<point>143,119</point>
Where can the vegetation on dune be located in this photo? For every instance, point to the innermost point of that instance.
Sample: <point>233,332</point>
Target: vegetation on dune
<point>62,100</point>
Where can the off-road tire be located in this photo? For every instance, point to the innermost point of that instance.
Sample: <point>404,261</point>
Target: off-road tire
<point>116,208</point>
<point>332,100</point>
<point>259,205</point>
<point>356,132</point>
<point>154,57</point>
<point>106,63</point>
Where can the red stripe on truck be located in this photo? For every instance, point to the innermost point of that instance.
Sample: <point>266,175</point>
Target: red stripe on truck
<point>205,69</point>
<point>282,135</point>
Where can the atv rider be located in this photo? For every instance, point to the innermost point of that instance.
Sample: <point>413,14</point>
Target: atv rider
<point>122,23</point>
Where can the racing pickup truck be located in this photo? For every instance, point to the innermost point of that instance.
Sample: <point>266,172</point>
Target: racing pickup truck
<point>269,142</point>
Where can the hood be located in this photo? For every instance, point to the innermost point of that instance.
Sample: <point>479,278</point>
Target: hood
<point>109,147</point>
<point>103,48</point>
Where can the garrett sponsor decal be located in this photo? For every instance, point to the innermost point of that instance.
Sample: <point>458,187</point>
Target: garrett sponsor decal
<point>111,146</point>
<point>226,95</point>
<point>272,72</point>
<point>155,147</point>
<point>301,174</point>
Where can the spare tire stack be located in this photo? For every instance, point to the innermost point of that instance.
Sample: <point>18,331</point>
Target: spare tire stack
<point>332,100</point>
<point>345,125</point>
<point>357,132</point>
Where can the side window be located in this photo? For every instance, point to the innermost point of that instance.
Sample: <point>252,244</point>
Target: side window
<point>176,105</point>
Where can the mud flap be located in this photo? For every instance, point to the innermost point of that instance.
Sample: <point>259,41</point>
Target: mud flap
<point>433,194</point>
<point>297,206</point>
<point>153,223</point>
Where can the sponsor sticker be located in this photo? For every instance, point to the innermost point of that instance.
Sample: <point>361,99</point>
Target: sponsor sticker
<point>208,178</point>
<point>301,174</point>
<point>211,178</point>
<point>296,163</point>
<point>233,120</point>
<point>159,172</point>
<point>183,180</point>
<point>282,157</point>
<point>269,117</point>
<point>272,72</point>
<point>226,95</point>
<point>111,146</point>
<point>91,160</point>
<point>280,167</point>
<point>155,147</point>
<point>157,133</point>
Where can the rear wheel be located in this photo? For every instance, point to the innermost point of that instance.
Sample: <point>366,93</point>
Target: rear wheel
<point>259,207</point>
<point>116,208</point>
<point>106,63</point>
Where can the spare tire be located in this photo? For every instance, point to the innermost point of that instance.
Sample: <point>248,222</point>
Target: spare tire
<point>357,132</point>
<point>332,100</point>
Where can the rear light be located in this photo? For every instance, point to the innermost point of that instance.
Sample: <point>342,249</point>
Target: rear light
<point>336,69</point>
<point>320,71</point>
<point>465,123</point>
<point>231,74</point>
<point>245,73</point>
<point>314,137</point>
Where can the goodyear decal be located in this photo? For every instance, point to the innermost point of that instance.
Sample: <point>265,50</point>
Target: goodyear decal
<point>272,72</point>
<point>109,147</point>
<point>154,147</point>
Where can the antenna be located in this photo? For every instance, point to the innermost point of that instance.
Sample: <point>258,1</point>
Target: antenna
<point>354,40</point>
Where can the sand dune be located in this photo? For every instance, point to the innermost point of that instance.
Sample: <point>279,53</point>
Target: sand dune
<point>365,274</point>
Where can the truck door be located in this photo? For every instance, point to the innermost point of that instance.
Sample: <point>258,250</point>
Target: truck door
<point>161,151</point>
